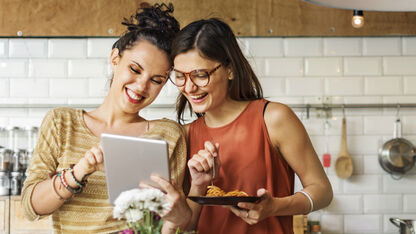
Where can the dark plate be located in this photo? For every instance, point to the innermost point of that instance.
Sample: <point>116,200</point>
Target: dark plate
<point>223,201</point>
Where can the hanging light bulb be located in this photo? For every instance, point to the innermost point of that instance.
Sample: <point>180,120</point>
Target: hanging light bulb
<point>357,20</point>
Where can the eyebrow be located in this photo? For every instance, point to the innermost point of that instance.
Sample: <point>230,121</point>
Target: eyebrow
<point>138,64</point>
<point>157,75</point>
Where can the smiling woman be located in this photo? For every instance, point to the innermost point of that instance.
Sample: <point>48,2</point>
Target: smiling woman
<point>259,145</point>
<point>65,177</point>
<point>142,60</point>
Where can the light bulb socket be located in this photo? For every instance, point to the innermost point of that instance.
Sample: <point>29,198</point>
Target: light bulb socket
<point>358,13</point>
<point>357,20</point>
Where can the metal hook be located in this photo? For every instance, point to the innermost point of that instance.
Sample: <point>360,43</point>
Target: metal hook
<point>343,111</point>
<point>398,111</point>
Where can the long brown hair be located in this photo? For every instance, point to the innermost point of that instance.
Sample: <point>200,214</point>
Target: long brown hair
<point>215,40</point>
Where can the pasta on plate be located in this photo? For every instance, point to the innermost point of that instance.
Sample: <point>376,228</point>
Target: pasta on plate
<point>214,191</point>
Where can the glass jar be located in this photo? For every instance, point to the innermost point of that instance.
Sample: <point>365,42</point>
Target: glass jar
<point>15,183</point>
<point>5,159</point>
<point>4,183</point>
<point>23,160</point>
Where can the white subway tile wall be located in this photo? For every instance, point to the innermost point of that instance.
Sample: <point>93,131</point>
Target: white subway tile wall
<point>3,47</point>
<point>28,48</point>
<point>379,46</point>
<point>293,71</point>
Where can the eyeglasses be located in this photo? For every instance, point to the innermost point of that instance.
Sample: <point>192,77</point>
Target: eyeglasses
<point>199,78</point>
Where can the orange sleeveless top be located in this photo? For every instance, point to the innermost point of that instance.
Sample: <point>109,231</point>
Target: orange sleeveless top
<point>248,162</point>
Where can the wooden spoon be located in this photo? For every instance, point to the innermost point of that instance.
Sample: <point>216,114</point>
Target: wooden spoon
<point>343,164</point>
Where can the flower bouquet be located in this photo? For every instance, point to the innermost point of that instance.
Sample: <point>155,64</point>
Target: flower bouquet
<point>142,209</point>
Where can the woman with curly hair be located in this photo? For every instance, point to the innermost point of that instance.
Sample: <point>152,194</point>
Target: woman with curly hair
<point>65,177</point>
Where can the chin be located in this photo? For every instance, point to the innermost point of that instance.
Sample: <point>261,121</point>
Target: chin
<point>199,109</point>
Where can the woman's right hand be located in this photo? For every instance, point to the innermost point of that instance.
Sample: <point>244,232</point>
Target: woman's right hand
<point>201,165</point>
<point>91,162</point>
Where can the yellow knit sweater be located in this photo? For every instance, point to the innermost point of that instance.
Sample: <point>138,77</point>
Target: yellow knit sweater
<point>63,140</point>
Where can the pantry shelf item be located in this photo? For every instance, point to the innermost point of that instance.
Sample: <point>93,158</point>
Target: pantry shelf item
<point>343,163</point>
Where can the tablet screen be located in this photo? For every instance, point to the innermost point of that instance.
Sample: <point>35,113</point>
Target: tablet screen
<point>131,160</point>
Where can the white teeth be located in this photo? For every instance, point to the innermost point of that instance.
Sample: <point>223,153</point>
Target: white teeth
<point>133,96</point>
<point>198,97</point>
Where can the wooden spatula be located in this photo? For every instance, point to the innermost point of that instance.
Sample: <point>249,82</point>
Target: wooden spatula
<point>343,164</point>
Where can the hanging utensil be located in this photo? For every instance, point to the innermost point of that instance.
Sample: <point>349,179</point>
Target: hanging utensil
<point>343,163</point>
<point>397,156</point>
<point>326,157</point>
<point>407,226</point>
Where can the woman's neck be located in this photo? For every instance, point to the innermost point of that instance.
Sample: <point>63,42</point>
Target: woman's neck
<point>225,113</point>
<point>110,114</point>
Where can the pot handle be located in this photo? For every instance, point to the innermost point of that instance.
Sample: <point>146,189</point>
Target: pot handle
<point>396,176</point>
<point>397,129</point>
<point>394,220</point>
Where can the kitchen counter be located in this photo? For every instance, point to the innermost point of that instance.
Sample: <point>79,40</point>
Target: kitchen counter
<point>13,220</point>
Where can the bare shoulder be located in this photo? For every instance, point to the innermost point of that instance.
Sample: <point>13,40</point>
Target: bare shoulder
<point>278,114</point>
<point>282,123</point>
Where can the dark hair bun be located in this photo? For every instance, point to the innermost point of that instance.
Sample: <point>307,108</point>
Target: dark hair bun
<point>156,17</point>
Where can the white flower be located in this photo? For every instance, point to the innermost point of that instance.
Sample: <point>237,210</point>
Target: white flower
<point>132,203</point>
<point>133,215</point>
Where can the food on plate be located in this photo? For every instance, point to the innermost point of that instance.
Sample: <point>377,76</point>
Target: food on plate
<point>214,191</point>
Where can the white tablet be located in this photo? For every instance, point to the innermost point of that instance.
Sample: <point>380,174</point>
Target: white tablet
<point>131,160</point>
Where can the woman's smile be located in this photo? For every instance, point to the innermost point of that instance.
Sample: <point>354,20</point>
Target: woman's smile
<point>198,98</point>
<point>133,97</point>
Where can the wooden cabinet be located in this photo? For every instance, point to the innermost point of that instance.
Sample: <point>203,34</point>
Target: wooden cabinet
<point>4,214</point>
<point>14,220</point>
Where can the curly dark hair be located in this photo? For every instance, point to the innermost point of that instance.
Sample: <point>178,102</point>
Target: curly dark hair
<point>151,23</point>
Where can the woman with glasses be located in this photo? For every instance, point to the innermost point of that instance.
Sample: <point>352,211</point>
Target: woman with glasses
<point>253,145</point>
<point>66,177</point>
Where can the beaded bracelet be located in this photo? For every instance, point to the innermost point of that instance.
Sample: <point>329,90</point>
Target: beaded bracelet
<point>54,189</point>
<point>83,181</point>
<point>69,188</point>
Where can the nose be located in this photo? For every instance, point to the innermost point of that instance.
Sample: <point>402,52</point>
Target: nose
<point>143,83</point>
<point>189,85</point>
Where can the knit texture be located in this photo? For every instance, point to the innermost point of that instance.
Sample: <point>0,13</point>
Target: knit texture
<point>63,140</point>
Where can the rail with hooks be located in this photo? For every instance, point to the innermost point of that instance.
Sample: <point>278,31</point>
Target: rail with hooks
<point>307,107</point>
<point>326,107</point>
<point>70,105</point>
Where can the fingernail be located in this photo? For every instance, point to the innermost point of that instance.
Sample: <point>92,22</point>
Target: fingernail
<point>215,154</point>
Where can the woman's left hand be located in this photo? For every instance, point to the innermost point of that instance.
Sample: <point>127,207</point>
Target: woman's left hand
<point>253,213</point>
<point>179,213</point>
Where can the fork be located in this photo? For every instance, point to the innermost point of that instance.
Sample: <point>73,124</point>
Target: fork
<point>213,167</point>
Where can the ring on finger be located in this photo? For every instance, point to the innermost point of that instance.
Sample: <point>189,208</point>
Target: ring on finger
<point>247,214</point>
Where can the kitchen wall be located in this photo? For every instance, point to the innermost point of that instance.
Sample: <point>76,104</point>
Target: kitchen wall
<point>292,70</point>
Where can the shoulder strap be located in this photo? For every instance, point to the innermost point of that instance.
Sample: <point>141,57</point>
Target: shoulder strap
<point>265,105</point>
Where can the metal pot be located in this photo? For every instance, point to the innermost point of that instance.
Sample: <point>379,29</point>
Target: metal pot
<point>407,226</point>
<point>397,156</point>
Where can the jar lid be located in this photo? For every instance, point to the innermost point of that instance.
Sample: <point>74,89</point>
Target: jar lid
<point>12,128</point>
<point>5,150</point>
<point>316,228</point>
<point>3,173</point>
<point>16,173</point>
<point>31,128</point>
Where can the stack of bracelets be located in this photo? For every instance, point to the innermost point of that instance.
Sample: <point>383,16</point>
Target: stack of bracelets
<point>81,184</point>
